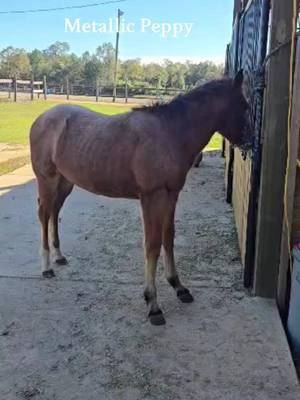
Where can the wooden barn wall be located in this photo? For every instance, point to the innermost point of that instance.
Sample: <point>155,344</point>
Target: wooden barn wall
<point>296,216</point>
<point>247,51</point>
<point>227,153</point>
<point>295,142</point>
<point>296,213</point>
<point>240,198</point>
<point>292,197</point>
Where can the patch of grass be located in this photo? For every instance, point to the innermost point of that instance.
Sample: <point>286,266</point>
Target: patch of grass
<point>17,118</point>
<point>10,165</point>
<point>215,143</point>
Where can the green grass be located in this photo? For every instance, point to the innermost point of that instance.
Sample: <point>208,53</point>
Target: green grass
<point>215,143</point>
<point>17,118</point>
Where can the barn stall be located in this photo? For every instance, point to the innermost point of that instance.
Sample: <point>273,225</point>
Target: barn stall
<point>263,185</point>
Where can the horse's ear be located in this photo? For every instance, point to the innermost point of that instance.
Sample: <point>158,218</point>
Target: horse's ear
<point>239,78</point>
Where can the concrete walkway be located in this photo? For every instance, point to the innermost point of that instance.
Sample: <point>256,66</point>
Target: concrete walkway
<point>84,334</point>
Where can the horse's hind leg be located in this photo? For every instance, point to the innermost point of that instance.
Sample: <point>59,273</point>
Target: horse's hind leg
<point>52,194</point>
<point>168,245</point>
<point>44,210</point>
<point>63,189</point>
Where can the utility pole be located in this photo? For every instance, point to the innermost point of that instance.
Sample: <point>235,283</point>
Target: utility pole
<point>120,13</point>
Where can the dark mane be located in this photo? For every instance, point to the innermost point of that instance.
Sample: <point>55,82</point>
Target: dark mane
<point>180,103</point>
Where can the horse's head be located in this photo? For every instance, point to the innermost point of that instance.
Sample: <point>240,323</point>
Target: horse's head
<point>236,121</point>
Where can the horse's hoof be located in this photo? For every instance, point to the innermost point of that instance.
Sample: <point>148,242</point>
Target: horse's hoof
<point>185,296</point>
<point>156,318</point>
<point>61,261</point>
<point>49,273</point>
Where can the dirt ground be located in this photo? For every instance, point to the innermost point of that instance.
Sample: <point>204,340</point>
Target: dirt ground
<point>85,335</point>
<point>10,151</point>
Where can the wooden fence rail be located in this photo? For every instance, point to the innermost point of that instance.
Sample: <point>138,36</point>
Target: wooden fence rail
<point>24,85</point>
<point>97,89</point>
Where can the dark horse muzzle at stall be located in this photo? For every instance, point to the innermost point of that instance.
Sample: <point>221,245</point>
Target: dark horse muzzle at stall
<point>144,154</point>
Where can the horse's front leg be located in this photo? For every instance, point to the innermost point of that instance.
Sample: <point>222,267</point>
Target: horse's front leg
<point>168,244</point>
<point>152,210</point>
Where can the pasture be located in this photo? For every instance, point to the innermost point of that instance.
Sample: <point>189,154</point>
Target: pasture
<point>16,119</point>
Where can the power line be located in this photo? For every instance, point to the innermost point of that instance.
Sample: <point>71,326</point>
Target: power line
<point>61,8</point>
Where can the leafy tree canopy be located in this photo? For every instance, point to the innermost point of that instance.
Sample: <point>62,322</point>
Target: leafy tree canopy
<point>56,62</point>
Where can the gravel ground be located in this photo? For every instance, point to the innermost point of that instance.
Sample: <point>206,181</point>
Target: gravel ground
<point>85,334</point>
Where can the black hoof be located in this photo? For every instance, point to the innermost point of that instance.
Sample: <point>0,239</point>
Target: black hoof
<point>49,273</point>
<point>61,261</point>
<point>185,296</point>
<point>156,318</point>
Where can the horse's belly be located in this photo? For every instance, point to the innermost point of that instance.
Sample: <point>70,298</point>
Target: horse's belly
<point>114,184</point>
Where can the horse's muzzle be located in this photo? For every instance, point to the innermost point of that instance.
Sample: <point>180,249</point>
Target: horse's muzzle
<point>246,144</point>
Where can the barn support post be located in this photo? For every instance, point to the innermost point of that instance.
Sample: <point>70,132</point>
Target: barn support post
<point>282,295</point>
<point>274,156</point>
<point>45,87</point>
<point>15,83</point>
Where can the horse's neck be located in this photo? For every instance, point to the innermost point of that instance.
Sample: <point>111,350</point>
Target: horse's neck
<point>202,123</point>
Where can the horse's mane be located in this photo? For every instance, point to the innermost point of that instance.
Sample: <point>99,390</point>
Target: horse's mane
<point>181,102</point>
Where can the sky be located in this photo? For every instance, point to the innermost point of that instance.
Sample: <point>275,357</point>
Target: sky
<point>201,31</point>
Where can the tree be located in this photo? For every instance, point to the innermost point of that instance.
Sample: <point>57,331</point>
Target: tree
<point>74,67</point>
<point>57,49</point>
<point>14,62</point>
<point>132,71</point>
<point>203,71</point>
<point>92,69</point>
<point>155,75</point>
<point>106,55</point>
<point>38,62</point>
<point>56,62</point>
<point>176,74</point>
<point>86,56</point>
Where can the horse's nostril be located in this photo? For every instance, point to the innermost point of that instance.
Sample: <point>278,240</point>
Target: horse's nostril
<point>244,155</point>
<point>246,147</point>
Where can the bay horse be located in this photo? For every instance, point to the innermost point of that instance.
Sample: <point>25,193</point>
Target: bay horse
<point>144,154</point>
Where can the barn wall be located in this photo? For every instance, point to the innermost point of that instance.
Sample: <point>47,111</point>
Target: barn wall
<point>240,198</point>
<point>247,51</point>
<point>292,195</point>
<point>296,215</point>
<point>295,142</point>
<point>227,156</point>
